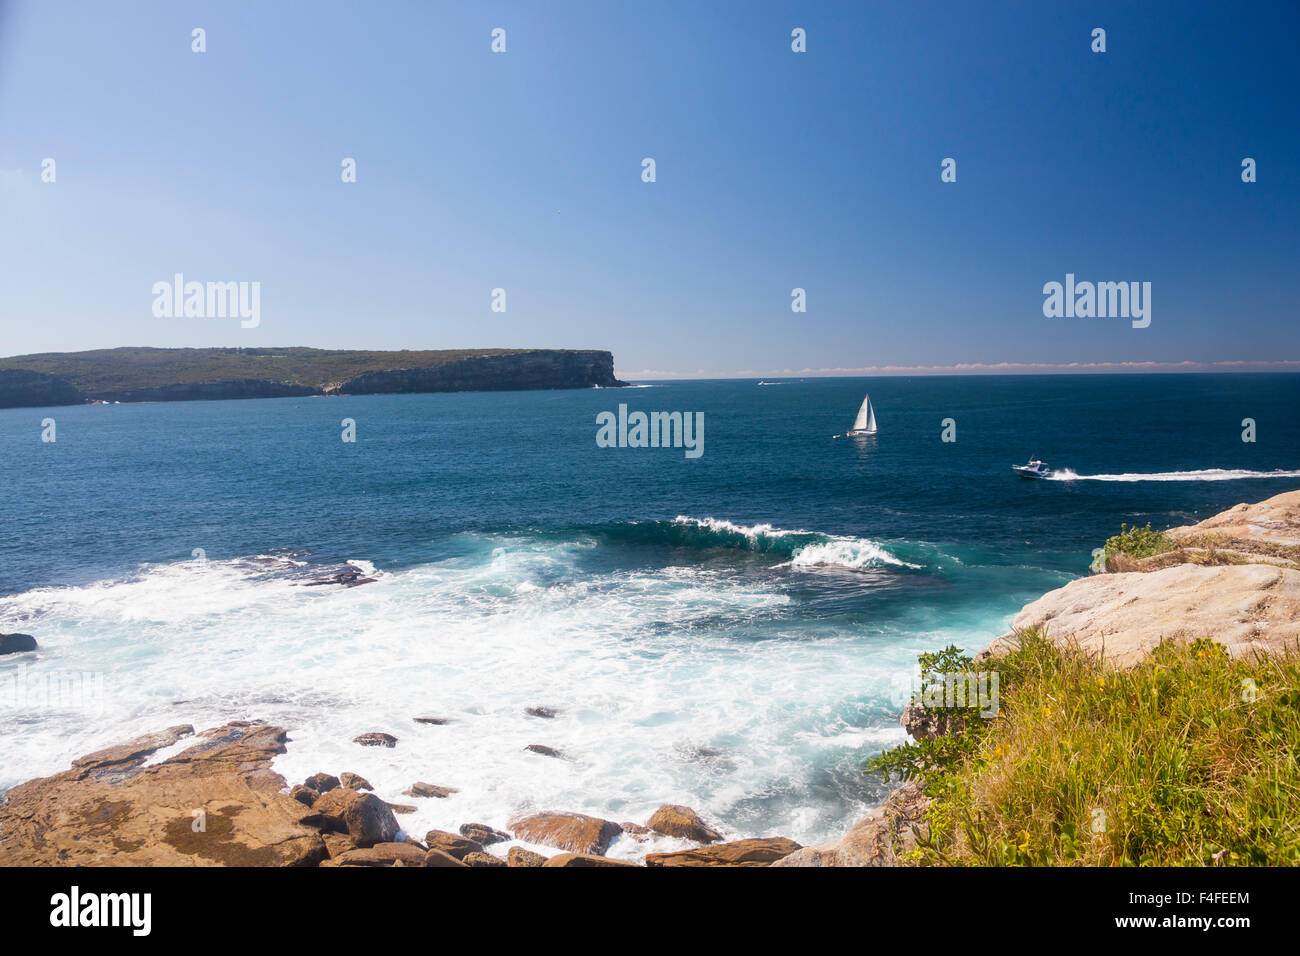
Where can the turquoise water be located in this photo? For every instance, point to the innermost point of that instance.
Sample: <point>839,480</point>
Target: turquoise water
<point>735,632</point>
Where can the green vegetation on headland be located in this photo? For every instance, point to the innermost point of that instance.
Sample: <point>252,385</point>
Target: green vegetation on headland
<point>152,374</point>
<point>1188,758</point>
<point>1136,543</point>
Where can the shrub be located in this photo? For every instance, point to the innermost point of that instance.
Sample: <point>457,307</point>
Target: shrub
<point>1187,759</point>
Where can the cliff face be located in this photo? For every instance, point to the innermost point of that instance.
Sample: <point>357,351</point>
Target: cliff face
<point>490,373</point>
<point>207,391</point>
<point>20,388</point>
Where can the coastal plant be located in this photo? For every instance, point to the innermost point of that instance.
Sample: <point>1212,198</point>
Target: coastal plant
<point>1135,543</point>
<point>946,750</point>
<point>1189,758</point>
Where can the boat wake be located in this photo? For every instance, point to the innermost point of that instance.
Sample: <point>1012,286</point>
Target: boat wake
<point>1205,474</point>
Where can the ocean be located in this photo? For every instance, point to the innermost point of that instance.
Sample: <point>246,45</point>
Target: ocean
<point>736,632</point>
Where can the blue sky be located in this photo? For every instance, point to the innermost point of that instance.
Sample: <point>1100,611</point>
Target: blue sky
<point>775,170</point>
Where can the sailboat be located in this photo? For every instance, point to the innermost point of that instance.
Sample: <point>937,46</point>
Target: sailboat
<point>865,423</point>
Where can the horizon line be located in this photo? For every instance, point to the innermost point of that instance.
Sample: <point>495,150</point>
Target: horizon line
<point>978,368</point>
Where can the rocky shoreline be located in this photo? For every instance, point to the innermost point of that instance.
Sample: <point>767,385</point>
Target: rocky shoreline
<point>1234,578</point>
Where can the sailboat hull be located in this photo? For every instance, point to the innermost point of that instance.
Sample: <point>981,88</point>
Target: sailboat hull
<point>860,432</point>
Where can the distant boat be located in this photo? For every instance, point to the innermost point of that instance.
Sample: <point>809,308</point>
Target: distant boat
<point>1034,469</point>
<point>865,423</point>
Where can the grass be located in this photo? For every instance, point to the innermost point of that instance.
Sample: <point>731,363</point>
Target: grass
<point>1187,759</point>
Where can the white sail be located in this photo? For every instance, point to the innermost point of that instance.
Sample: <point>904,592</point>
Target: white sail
<point>866,420</point>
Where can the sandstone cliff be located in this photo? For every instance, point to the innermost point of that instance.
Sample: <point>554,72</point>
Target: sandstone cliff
<point>21,388</point>
<point>1234,578</point>
<point>490,373</point>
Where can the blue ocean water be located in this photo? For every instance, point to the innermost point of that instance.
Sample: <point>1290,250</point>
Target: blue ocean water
<point>735,632</point>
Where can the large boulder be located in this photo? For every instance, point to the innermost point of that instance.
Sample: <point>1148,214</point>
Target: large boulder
<point>16,643</point>
<point>422,789</point>
<point>760,852</point>
<point>365,818</point>
<point>584,859</point>
<point>322,782</point>
<point>684,823</point>
<point>518,856</point>
<point>482,833</point>
<point>218,803</point>
<point>574,832</point>
<point>375,739</point>
<point>354,781</point>
<point>451,844</point>
<point>383,854</point>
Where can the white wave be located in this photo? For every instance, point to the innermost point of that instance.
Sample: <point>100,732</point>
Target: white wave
<point>644,668</point>
<point>750,531</point>
<point>1207,474</point>
<point>831,550</point>
<point>852,553</point>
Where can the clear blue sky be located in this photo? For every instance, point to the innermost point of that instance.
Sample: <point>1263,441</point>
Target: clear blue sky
<point>775,170</point>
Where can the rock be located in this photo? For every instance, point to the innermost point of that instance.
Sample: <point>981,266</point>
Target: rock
<point>451,844</point>
<point>304,795</point>
<point>401,807</point>
<point>338,843</point>
<point>321,782</point>
<point>375,739</point>
<point>518,856</point>
<point>348,577</point>
<point>1249,605</point>
<point>354,782</point>
<point>636,831</point>
<point>109,809</point>
<point>435,721</point>
<point>479,858</point>
<point>421,789</point>
<point>544,712</point>
<point>760,852</point>
<point>922,723</point>
<point>584,859</point>
<point>1274,521</point>
<point>384,854</point>
<point>16,643</point>
<point>121,762</point>
<point>684,823</point>
<point>363,816</point>
<point>1123,616</point>
<point>574,832</point>
<point>437,857</point>
<point>544,750</point>
<point>481,833</point>
<point>878,839</point>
